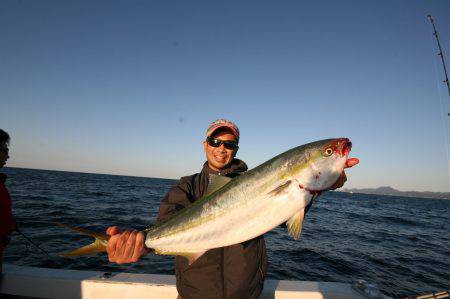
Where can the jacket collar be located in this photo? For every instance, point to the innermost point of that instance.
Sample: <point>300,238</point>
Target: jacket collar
<point>236,166</point>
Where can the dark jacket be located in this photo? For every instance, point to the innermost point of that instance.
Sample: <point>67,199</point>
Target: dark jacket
<point>236,271</point>
<point>7,224</point>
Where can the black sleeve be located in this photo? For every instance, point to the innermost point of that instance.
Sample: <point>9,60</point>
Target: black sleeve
<point>176,199</point>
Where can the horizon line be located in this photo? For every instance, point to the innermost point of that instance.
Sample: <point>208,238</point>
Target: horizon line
<point>138,176</point>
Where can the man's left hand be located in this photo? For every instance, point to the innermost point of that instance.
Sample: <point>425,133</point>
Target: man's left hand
<point>343,178</point>
<point>340,182</point>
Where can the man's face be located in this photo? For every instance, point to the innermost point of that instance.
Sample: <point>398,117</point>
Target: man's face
<point>4,154</point>
<point>219,157</point>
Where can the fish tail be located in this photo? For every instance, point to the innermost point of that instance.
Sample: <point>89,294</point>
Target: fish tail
<point>99,245</point>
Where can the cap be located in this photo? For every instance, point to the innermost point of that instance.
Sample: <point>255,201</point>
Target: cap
<point>222,123</point>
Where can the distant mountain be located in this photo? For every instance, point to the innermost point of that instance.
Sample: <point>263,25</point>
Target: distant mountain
<point>386,190</point>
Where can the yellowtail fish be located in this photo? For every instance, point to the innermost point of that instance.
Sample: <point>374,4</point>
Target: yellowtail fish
<point>239,209</point>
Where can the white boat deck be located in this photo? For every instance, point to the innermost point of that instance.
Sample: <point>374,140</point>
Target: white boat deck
<point>68,284</point>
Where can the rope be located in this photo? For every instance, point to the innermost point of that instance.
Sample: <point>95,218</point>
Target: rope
<point>31,242</point>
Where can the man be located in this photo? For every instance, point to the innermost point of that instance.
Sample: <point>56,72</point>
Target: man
<point>236,271</point>
<point>7,224</point>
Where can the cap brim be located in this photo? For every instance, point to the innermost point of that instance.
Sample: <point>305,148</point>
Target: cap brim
<point>212,130</point>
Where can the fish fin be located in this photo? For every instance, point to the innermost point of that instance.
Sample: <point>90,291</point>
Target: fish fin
<point>99,245</point>
<point>95,247</point>
<point>84,231</point>
<point>191,256</point>
<point>295,224</point>
<point>280,189</point>
<point>216,182</point>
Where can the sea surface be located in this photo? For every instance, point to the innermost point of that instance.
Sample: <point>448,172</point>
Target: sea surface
<point>401,244</point>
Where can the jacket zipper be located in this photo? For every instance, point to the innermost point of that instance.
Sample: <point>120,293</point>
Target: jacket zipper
<point>223,273</point>
<point>223,264</point>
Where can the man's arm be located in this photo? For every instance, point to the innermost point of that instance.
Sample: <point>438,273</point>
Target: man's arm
<point>176,199</point>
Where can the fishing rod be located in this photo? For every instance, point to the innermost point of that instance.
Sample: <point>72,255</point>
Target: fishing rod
<point>441,54</point>
<point>31,242</point>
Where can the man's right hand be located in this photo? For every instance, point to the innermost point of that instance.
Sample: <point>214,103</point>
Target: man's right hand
<point>125,247</point>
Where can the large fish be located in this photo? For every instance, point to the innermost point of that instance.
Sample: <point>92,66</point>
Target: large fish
<point>239,209</point>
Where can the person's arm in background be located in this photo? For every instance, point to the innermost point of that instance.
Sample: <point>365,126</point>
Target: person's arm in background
<point>7,222</point>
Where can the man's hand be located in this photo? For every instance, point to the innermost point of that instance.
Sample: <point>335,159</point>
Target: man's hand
<point>340,182</point>
<point>125,247</point>
<point>343,178</point>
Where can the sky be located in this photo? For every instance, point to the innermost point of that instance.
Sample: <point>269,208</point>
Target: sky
<point>129,87</point>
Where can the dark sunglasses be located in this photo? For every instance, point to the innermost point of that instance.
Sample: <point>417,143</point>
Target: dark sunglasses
<point>229,144</point>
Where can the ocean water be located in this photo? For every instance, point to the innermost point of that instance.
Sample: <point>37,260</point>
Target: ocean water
<point>401,244</point>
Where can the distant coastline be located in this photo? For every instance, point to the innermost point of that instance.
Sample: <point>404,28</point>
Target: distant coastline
<point>393,192</point>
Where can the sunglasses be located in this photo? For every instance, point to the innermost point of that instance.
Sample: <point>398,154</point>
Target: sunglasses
<point>229,144</point>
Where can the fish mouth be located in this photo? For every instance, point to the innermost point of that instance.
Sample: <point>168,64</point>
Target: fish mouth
<point>342,146</point>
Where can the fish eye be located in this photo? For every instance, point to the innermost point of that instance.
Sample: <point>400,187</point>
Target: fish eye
<point>328,152</point>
